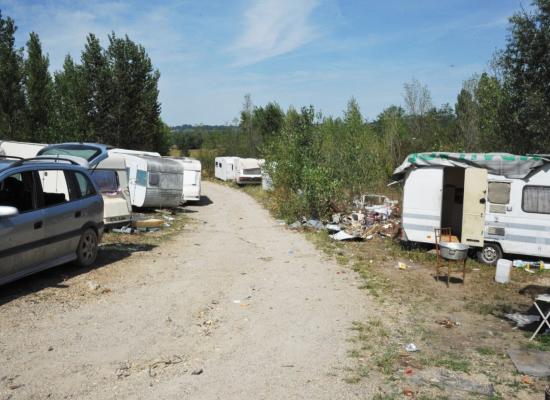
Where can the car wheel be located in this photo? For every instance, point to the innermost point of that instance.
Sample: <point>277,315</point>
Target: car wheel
<point>86,253</point>
<point>489,254</point>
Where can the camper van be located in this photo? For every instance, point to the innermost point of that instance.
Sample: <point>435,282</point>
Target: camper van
<point>109,174</point>
<point>248,171</point>
<point>495,203</point>
<point>154,182</point>
<point>225,168</point>
<point>191,178</point>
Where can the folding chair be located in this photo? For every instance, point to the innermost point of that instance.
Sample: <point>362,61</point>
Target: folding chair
<point>545,298</point>
<point>444,235</point>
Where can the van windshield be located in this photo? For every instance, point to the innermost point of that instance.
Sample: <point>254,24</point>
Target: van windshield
<point>106,180</point>
<point>86,152</point>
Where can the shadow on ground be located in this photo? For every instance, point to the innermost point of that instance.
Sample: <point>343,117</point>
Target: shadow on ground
<point>56,276</point>
<point>204,201</point>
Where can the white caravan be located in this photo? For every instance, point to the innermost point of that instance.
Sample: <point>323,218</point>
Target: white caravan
<point>111,177</point>
<point>135,152</point>
<point>109,174</point>
<point>225,168</point>
<point>496,203</point>
<point>248,171</point>
<point>191,178</point>
<point>20,149</point>
<point>154,182</point>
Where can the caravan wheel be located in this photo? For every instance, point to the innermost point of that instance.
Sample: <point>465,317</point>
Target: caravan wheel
<point>489,254</point>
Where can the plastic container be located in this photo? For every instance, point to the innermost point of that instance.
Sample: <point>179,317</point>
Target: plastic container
<point>502,274</point>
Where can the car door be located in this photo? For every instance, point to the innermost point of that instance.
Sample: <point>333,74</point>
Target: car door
<point>22,234</point>
<point>62,214</point>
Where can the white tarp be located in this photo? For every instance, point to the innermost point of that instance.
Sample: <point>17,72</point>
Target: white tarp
<point>504,164</point>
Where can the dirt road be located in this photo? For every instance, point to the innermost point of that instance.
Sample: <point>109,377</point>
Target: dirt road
<point>234,307</point>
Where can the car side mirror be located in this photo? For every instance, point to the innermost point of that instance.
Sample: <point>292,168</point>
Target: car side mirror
<point>7,211</point>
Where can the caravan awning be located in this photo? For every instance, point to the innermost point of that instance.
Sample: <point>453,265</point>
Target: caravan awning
<point>504,164</point>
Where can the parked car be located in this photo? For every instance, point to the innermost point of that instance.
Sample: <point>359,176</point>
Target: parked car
<point>41,228</point>
<point>109,173</point>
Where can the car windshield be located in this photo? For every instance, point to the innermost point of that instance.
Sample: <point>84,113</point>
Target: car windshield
<point>86,152</point>
<point>106,180</point>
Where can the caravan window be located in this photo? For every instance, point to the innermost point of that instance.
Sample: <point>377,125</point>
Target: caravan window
<point>536,199</point>
<point>106,180</point>
<point>154,178</point>
<point>499,192</point>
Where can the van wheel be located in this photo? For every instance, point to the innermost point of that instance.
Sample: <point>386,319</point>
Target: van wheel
<point>489,254</point>
<point>86,253</point>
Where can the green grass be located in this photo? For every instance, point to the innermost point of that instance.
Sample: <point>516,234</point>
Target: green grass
<point>486,351</point>
<point>540,342</point>
<point>454,363</point>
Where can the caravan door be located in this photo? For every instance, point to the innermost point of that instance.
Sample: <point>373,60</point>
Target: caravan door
<point>422,197</point>
<point>473,216</point>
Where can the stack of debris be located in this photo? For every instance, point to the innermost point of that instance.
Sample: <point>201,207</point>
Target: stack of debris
<point>145,223</point>
<point>371,215</point>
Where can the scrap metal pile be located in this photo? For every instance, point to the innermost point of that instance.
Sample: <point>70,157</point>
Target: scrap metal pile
<point>370,216</point>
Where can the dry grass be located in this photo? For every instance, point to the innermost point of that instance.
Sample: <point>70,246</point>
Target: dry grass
<point>411,303</point>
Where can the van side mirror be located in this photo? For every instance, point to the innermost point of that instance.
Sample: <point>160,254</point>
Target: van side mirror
<point>7,211</point>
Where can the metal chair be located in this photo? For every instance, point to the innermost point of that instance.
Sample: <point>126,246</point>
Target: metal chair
<point>543,298</point>
<point>444,235</point>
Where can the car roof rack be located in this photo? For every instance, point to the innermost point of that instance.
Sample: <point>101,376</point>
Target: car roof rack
<point>42,158</point>
<point>15,157</point>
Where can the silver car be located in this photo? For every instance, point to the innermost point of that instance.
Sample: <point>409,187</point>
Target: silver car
<point>50,213</point>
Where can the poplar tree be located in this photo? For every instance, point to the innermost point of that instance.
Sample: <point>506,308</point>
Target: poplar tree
<point>38,85</point>
<point>12,99</point>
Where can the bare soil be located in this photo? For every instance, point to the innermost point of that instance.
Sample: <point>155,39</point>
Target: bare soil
<point>232,306</point>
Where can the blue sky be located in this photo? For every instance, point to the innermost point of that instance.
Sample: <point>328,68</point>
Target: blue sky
<point>210,53</point>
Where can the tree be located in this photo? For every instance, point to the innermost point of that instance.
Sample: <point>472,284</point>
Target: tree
<point>12,99</point>
<point>418,102</point>
<point>247,128</point>
<point>70,104</point>
<point>525,69</point>
<point>98,90</point>
<point>134,120</point>
<point>467,117</point>
<point>38,84</point>
<point>490,96</point>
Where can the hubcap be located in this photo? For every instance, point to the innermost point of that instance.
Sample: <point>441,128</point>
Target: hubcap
<point>88,247</point>
<point>489,254</point>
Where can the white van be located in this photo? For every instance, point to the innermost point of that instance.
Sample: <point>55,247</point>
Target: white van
<point>225,168</point>
<point>496,203</point>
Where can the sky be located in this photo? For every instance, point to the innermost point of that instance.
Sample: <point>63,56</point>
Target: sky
<point>210,53</point>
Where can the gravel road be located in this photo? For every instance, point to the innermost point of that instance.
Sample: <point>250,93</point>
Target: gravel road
<point>233,307</point>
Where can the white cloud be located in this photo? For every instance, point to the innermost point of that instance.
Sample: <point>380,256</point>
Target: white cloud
<point>274,27</point>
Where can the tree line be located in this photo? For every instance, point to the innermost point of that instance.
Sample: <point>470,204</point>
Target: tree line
<point>110,96</point>
<point>318,163</point>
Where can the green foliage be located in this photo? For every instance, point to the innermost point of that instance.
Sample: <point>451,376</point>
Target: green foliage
<point>111,97</point>
<point>39,91</point>
<point>12,98</point>
<point>525,112</point>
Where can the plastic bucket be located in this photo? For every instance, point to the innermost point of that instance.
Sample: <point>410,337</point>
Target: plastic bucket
<point>502,274</point>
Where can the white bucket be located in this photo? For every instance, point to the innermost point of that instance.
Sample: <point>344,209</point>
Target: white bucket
<point>502,274</point>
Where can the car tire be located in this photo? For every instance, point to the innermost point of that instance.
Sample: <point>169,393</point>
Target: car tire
<point>490,253</point>
<point>86,253</point>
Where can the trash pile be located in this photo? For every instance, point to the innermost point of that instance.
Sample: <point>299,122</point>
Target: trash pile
<point>372,215</point>
<point>144,223</point>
